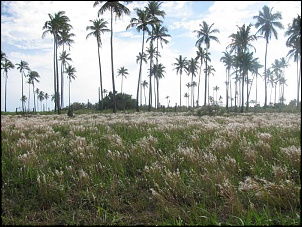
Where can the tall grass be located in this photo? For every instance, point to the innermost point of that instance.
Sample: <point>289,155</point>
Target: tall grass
<point>151,169</point>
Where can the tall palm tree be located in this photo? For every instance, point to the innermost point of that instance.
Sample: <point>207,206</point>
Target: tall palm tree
<point>205,35</point>
<point>64,58</point>
<point>23,100</point>
<point>216,88</point>
<point>159,35</point>
<point>151,52</point>
<point>193,85</point>
<point>180,66</point>
<point>119,9</point>
<point>267,22</point>
<point>64,38</point>
<point>154,11</point>
<point>70,70</point>
<point>145,85</point>
<point>6,65</point>
<point>122,71</point>
<point>33,76</point>
<point>22,66</point>
<point>140,57</point>
<point>57,23</point>
<point>41,98</point>
<point>158,71</point>
<point>186,95</point>
<point>37,92</point>
<point>98,27</point>
<point>294,42</point>
<point>191,68</point>
<point>200,55</point>
<point>227,59</point>
<point>141,23</point>
<point>46,96</point>
<point>209,71</point>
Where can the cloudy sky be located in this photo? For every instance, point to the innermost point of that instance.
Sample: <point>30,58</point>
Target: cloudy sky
<point>21,39</point>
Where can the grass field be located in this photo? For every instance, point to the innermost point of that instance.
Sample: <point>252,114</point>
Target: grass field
<point>151,169</point>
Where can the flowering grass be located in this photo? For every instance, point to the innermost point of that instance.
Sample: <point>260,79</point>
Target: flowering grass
<point>151,169</point>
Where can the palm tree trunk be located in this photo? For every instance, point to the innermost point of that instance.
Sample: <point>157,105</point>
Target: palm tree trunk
<point>112,69</point>
<point>62,81</point>
<point>101,81</point>
<point>122,84</point>
<point>5,91</point>
<point>205,82</point>
<point>54,70</point>
<point>265,76</point>
<point>57,74</point>
<point>22,94</point>
<point>180,90</point>
<point>34,98</point>
<point>199,83</point>
<point>247,92</point>
<point>28,96</point>
<point>69,92</point>
<point>242,93</point>
<point>298,85</point>
<point>139,76</point>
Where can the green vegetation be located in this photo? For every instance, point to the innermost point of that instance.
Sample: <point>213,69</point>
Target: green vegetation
<point>151,168</point>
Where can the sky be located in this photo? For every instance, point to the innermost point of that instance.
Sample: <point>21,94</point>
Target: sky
<point>21,39</point>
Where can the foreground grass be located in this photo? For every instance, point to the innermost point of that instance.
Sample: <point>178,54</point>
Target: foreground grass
<point>151,169</point>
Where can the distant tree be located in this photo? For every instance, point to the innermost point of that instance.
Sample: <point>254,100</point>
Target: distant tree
<point>70,75</point>
<point>22,66</point>
<point>267,22</point>
<point>119,9</point>
<point>6,65</point>
<point>33,77</point>
<point>180,66</point>
<point>122,71</point>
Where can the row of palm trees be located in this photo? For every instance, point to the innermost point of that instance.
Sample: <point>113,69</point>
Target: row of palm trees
<point>33,77</point>
<point>237,56</point>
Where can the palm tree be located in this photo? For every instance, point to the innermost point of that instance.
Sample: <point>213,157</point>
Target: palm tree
<point>191,68</point>
<point>187,100</point>
<point>64,58</point>
<point>158,71</point>
<point>119,9</point>
<point>193,85</point>
<point>41,98</point>
<point>267,22</point>
<point>145,84</point>
<point>209,71</point>
<point>200,54</point>
<point>46,96</point>
<point>216,88</point>
<point>55,26</point>
<point>23,100</point>
<point>37,92</point>
<point>180,65</point>
<point>98,27</point>
<point>159,34</point>
<point>22,66</point>
<point>70,75</point>
<point>294,42</point>
<point>122,72</point>
<point>141,23</point>
<point>153,10</point>
<point>33,76</point>
<point>64,38</point>
<point>227,59</point>
<point>151,53</point>
<point>168,101</point>
<point>6,65</point>
<point>205,36</point>
<point>141,57</point>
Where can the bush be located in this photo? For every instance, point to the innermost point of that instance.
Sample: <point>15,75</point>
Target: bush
<point>211,110</point>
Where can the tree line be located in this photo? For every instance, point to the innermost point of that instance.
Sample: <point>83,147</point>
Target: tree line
<point>238,58</point>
